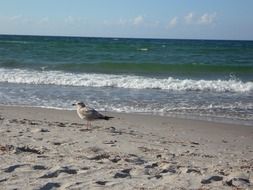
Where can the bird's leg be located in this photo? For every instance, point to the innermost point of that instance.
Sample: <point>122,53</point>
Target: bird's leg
<point>87,125</point>
<point>90,124</point>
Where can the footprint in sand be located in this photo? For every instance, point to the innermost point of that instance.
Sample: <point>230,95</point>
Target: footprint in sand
<point>96,153</point>
<point>85,130</point>
<point>44,130</point>
<point>60,124</point>
<point>123,173</point>
<point>39,167</point>
<point>156,170</point>
<point>101,182</point>
<point>3,180</point>
<point>6,148</point>
<point>49,186</point>
<point>114,131</point>
<point>211,179</point>
<point>57,172</point>
<point>132,158</point>
<point>115,159</point>
<point>239,180</point>
<point>193,170</point>
<point>14,167</point>
<point>29,149</point>
<point>13,121</point>
<point>111,142</point>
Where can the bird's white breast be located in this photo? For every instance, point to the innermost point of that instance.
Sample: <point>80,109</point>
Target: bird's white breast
<point>81,113</point>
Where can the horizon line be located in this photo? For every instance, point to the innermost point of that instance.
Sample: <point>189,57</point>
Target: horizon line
<point>109,37</point>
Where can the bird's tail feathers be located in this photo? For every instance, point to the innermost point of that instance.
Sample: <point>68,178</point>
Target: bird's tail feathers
<point>107,117</point>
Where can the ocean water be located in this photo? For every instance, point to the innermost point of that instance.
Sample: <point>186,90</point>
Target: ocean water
<point>210,80</point>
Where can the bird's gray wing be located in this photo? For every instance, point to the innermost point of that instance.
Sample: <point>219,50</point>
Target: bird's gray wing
<point>92,114</point>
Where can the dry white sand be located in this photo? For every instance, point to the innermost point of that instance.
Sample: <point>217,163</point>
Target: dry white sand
<point>50,149</point>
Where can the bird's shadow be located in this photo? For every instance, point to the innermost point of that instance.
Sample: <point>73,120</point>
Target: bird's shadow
<point>92,128</point>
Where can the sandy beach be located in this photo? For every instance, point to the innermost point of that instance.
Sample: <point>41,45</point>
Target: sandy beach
<point>51,149</point>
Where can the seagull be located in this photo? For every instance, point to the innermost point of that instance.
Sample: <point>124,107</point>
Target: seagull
<point>89,114</point>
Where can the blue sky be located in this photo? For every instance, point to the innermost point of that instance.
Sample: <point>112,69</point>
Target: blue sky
<point>184,19</point>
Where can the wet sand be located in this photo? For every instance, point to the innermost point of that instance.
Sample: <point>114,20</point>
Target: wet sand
<point>51,149</point>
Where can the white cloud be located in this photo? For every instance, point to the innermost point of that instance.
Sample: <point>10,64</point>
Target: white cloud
<point>69,19</point>
<point>173,22</point>
<point>77,21</point>
<point>189,18</point>
<point>15,18</point>
<point>138,20</point>
<point>207,18</point>
<point>44,20</point>
<point>122,21</point>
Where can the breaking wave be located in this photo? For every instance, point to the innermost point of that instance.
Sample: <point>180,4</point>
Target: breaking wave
<point>121,81</point>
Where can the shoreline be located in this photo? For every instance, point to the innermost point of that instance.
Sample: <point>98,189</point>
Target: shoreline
<point>143,120</point>
<point>208,119</point>
<point>44,148</point>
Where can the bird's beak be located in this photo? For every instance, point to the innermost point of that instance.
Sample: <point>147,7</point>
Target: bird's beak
<point>73,104</point>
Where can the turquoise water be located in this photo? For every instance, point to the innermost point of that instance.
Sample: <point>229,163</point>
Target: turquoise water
<point>131,56</point>
<point>193,78</point>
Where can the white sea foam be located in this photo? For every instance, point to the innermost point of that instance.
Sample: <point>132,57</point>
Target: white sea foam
<point>143,49</point>
<point>121,81</point>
